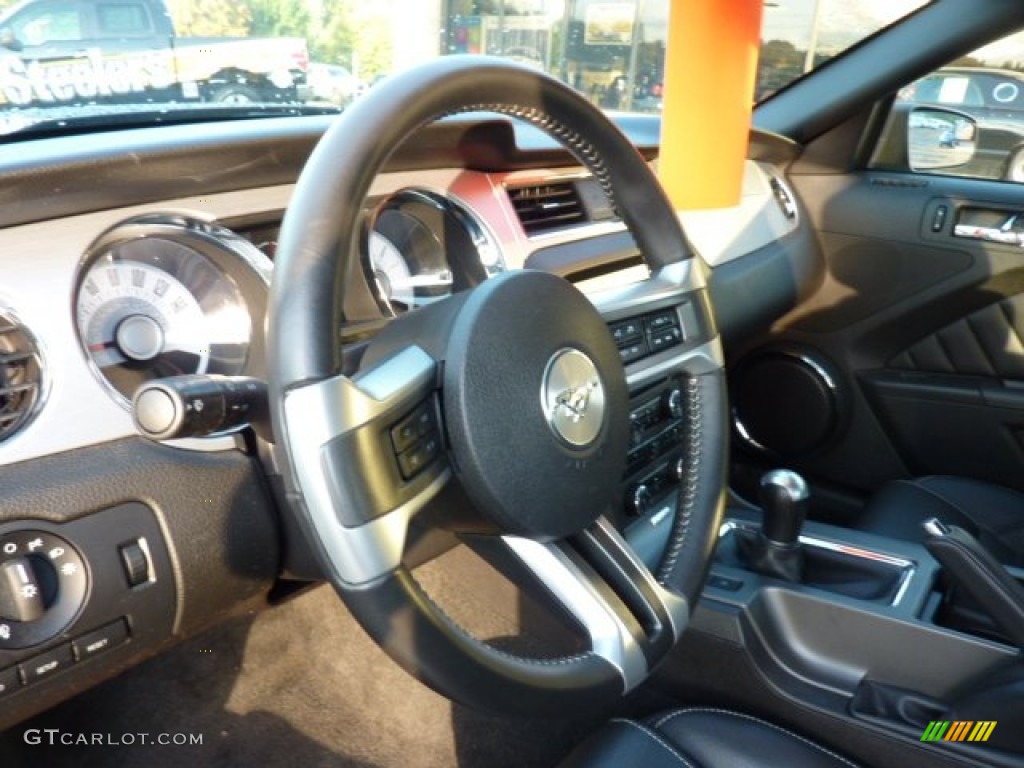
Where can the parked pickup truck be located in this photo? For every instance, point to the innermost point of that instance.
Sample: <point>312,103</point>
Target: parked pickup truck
<point>55,52</point>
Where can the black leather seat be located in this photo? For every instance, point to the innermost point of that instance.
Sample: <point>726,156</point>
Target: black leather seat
<point>992,513</point>
<point>701,738</point>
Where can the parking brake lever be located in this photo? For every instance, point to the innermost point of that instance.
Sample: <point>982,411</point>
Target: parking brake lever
<point>973,569</point>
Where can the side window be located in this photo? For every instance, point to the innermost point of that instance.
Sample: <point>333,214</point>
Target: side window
<point>123,20</point>
<point>965,119</point>
<point>52,23</point>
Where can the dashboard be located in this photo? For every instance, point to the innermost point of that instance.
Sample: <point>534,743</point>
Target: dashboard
<point>134,256</point>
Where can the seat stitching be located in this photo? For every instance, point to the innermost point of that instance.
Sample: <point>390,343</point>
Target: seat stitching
<point>711,710</point>
<point>660,740</point>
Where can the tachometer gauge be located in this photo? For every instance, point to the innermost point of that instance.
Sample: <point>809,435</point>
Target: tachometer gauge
<point>160,303</point>
<point>422,248</point>
<point>399,286</point>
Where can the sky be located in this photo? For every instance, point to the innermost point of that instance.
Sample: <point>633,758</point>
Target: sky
<point>842,22</point>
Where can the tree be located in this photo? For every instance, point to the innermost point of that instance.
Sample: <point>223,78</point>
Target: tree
<point>210,18</point>
<point>280,18</point>
<point>780,63</point>
<point>352,34</point>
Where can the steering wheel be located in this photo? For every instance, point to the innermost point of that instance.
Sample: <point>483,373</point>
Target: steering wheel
<point>502,411</point>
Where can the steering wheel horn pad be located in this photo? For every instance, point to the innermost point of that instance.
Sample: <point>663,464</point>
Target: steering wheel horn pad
<point>516,467</point>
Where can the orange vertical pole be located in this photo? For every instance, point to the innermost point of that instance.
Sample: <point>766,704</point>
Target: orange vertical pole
<point>710,67</point>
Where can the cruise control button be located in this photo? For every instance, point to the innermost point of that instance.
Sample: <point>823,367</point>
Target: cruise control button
<point>100,640</point>
<point>45,665</point>
<point>10,681</point>
<point>418,457</point>
<point>410,429</point>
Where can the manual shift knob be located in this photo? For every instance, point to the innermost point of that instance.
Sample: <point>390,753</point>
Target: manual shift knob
<point>783,499</point>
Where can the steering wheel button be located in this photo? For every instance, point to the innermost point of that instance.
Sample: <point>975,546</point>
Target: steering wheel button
<point>417,458</point>
<point>414,426</point>
<point>47,664</point>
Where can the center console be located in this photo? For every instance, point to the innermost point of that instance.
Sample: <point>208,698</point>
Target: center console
<point>857,631</point>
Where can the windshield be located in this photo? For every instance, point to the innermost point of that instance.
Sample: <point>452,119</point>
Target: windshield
<point>65,64</point>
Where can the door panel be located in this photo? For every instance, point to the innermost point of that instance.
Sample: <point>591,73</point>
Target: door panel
<point>923,329</point>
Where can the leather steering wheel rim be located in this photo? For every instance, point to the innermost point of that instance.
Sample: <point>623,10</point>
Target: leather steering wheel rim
<point>330,428</point>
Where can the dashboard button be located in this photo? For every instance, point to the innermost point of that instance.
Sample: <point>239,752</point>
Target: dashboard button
<point>662,320</point>
<point>626,331</point>
<point>663,339</point>
<point>10,681</point>
<point>100,640</point>
<point>632,352</point>
<point>47,664</point>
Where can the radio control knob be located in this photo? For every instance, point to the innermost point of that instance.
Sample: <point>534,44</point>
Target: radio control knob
<point>672,404</point>
<point>639,499</point>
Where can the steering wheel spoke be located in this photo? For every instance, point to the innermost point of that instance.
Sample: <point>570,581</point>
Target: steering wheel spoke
<point>629,619</point>
<point>385,423</point>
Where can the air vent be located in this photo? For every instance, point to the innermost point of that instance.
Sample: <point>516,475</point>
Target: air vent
<point>20,376</point>
<point>547,207</point>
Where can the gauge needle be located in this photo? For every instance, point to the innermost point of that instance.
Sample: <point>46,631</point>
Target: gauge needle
<point>101,346</point>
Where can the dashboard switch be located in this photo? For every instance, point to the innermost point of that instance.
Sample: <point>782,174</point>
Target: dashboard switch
<point>198,405</point>
<point>21,594</point>
<point>135,561</point>
<point>43,666</point>
<point>100,640</point>
<point>10,681</point>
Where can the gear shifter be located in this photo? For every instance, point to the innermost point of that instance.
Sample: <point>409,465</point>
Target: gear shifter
<point>783,498</point>
<point>776,550</point>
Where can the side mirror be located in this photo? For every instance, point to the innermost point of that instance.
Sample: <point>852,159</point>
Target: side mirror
<point>940,138</point>
<point>917,138</point>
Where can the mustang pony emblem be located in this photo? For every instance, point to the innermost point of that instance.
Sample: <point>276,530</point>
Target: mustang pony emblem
<point>574,401</point>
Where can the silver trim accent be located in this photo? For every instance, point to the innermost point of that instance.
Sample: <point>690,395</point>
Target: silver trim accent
<point>192,232</point>
<point>676,606</point>
<point>42,385</point>
<point>150,570</point>
<point>609,637</point>
<point>320,412</point>
<point>908,567</point>
<point>670,281</point>
<point>935,527</point>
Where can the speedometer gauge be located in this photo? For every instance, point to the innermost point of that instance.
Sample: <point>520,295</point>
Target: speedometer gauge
<point>130,312</point>
<point>160,303</point>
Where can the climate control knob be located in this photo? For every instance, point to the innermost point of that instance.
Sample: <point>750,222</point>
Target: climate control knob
<point>672,403</point>
<point>639,499</point>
